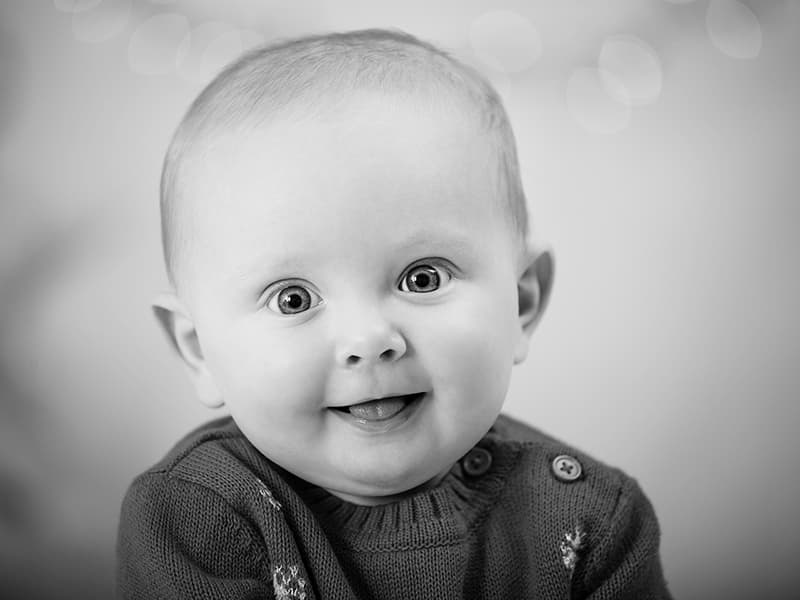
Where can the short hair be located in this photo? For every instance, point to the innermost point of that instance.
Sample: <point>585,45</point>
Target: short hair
<point>307,73</point>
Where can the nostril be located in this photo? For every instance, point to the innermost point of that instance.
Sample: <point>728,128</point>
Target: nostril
<point>387,354</point>
<point>353,360</point>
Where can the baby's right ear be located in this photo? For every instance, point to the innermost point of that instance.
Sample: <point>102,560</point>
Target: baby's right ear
<point>181,331</point>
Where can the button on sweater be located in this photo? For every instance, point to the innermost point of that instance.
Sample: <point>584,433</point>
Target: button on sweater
<point>216,519</point>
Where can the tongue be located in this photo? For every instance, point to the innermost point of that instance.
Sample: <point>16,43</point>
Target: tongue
<point>378,410</point>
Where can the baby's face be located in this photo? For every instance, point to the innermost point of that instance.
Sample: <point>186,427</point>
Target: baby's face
<point>353,286</point>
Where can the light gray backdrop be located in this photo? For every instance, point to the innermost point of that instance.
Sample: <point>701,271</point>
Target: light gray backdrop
<point>659,146</point>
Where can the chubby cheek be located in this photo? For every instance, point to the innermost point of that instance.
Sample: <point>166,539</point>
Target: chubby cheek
<point>468,348</point>
<point>268,375</point>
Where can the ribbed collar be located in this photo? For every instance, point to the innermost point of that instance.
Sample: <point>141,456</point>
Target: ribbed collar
<point>436,517</point>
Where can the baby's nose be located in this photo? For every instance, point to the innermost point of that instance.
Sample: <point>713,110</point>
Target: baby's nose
<point>371,346</point>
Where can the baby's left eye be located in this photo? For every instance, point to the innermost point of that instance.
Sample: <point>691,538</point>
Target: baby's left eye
<point>424,278</point>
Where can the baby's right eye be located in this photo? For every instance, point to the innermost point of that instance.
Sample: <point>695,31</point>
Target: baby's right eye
<point>292,298</point>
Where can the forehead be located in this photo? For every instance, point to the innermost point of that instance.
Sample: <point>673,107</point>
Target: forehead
<point>372,168</point>
<point>388,130</point>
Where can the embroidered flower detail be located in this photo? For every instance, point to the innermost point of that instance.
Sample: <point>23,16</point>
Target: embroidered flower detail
<point>264,491</point>
<point>288,584</point>
<point>570,546</point>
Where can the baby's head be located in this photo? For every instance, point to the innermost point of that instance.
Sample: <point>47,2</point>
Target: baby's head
<point>346,233</point>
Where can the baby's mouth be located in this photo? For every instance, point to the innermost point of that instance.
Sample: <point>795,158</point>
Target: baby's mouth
<point>380,409</point>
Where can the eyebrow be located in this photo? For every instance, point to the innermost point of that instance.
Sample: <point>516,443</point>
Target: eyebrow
<point>286,264</point>
<point>450,238</point>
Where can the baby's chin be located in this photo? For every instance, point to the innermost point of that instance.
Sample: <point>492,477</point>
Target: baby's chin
<point>376,495</point>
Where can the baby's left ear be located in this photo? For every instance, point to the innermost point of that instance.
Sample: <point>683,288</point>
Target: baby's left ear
<point>533,286</point>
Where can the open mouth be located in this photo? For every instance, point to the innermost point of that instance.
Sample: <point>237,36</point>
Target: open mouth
<point>380,409</point>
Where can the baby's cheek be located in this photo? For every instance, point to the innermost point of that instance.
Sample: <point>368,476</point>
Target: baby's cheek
<point>472,348</point>
<point>274,368</point>
<point>295,366</point>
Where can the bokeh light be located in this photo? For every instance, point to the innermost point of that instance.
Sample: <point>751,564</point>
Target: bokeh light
<point>733,28</point>
<point>101,22</point>
<point>591,106</point>
<point>222,50</point>
<point>630,70</point>
<point>153,47</point>
<point>505,41</point>
<point>210,46</point>
<point>73,6</point>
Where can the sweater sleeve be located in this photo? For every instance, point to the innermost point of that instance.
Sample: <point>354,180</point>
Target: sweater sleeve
<point>625,564</point>
<point>179,539</point>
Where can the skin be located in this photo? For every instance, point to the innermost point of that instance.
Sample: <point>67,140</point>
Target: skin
<point>344,205</point>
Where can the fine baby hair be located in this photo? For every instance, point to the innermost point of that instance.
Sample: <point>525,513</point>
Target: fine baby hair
<point>301,77</point>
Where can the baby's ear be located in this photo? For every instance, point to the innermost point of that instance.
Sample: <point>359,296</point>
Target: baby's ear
<point>180,329</point>
<point>533,286</point>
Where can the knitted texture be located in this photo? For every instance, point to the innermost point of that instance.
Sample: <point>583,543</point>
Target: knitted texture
<point>216,519</point>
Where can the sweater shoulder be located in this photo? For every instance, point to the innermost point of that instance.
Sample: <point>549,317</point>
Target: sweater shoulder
<point>214,433</point>
<point>563,472</point>
<point>592,519</point>
<point>215,456</point>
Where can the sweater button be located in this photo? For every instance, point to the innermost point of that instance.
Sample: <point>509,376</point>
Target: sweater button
<point>566,467</point>
<point>476,462</point>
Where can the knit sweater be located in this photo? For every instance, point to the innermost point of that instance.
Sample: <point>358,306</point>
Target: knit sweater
<point>216,519</point>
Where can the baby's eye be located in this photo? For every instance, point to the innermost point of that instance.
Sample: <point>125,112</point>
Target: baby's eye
<point>424,278</point>
<point>293,299</point>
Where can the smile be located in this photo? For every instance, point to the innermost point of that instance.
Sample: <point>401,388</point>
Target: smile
<point>381,414</point>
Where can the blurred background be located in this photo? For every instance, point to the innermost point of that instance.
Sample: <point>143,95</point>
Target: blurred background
<point>659,142</point>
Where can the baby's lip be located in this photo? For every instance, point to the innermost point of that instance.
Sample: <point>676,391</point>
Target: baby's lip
<point>406,397</point>
<point>383,414</point>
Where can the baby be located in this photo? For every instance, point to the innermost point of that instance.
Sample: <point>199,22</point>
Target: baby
<point>346,235</point>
